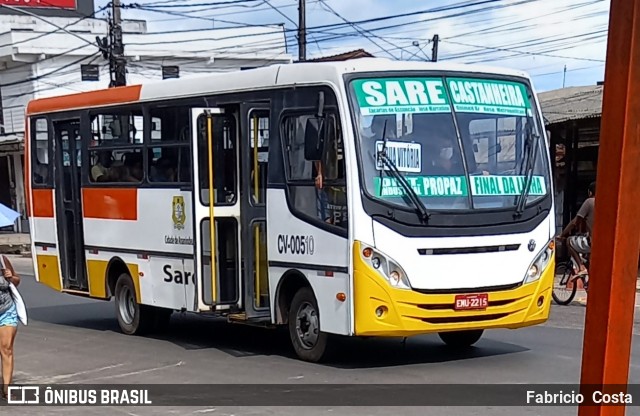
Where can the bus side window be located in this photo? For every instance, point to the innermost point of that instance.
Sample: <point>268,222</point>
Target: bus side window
<point>169,157</point>
<point>317,189</point>
<point>224,142</point>
<point>40,168</point>
<point>173,164</point>
<point>117,128</point>
<point>259,144</point>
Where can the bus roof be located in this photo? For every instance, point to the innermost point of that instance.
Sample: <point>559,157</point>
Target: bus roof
<point>250,80</point>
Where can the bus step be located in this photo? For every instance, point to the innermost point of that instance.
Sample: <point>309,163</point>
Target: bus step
<point>241,318</point>
<point>237,316</point>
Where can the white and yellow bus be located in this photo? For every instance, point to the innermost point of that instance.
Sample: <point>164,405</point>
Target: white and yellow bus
<point>358,198</point>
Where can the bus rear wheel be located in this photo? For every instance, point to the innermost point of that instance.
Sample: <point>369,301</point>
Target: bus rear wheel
<point>461,339</point>
<point>133,318</point>
<point>308,341</point>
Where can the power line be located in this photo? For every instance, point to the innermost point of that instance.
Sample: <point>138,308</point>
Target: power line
<point>54,71</point>
<point>210,4</point>
<point>209,19</point>
<point>367,35</point>
<point>338,25</point>
<point>523,52</point>
<point>246,9</point>
<point>17,9</point>
<point>55,31</point>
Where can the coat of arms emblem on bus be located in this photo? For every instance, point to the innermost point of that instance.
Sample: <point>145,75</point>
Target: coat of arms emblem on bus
<point>178,214</point>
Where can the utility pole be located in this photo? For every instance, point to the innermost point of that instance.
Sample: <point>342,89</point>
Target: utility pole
<point>564,77</point>
<point>614,258</point>
<point>434,49</point>
<point>302,31</point>
<point>119,73</point>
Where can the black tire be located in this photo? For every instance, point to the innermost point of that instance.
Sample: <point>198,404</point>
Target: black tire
<point>133,318</point>
<point>563,296</point>
<point>461,339</point>
<point>309,343</point>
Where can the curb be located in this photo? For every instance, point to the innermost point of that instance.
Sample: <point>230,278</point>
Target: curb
<point>17,249</point>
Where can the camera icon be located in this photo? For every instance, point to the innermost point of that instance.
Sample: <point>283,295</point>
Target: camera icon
<point>24,395</point>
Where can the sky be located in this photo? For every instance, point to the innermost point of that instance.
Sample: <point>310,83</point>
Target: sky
<point>542,37</point>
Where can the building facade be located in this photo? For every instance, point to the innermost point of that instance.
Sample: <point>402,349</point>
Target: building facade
<point>37,60</point>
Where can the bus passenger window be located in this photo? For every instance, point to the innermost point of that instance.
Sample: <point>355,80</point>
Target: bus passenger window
<point>259,144</point>
<point>224,142</point>
<point>121,166</point>
<point>40,156</point>
<point>169,158</point>
<point>117,128</point>
<point>169,164</point>
<point>316,188</point>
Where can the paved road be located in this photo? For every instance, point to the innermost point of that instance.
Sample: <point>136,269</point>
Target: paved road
<point>73,340</point>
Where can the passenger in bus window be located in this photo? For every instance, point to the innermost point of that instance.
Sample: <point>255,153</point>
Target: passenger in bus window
<point>133,165</point>
<point>152,163</point>
<point>331,200</point>
<point>165,170</point>
<point>100,171</point>
<point>444,160</point>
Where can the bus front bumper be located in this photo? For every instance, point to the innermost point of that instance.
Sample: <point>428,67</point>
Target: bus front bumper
<point>403,313</point>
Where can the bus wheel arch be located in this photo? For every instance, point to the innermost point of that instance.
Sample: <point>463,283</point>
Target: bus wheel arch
<point>115,269</point>
<point>290,283</point>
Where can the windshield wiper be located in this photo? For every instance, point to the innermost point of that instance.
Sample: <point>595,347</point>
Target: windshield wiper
<point>411,193</point>
<point>531,155</point>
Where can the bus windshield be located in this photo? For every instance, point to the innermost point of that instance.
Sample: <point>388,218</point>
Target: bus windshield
<point>461,143</point>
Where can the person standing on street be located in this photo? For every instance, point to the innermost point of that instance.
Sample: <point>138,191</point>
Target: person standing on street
<point>8,322</point>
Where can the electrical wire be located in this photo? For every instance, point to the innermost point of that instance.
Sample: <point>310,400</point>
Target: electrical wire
<point>172,5</point>
<point>32,79</point>
<point>365,33</point>
<point>55,31</point>
<point>17,9</point>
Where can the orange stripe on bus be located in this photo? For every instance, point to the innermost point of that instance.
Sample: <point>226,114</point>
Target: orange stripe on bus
<point>110,203</point>
<point>97,98</point>
<point>43,203</point>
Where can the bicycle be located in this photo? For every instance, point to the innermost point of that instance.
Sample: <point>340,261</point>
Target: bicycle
<point>568,272</point>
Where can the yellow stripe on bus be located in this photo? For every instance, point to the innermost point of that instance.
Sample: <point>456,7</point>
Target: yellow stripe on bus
<point>49,271</point>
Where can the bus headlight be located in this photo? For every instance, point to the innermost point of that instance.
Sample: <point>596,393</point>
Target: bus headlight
<point>387,268</point>
<point>540,263</point>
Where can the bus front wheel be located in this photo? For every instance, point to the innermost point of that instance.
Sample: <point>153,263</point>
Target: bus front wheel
<point>133,318</point>
<point>461,339</point>
<point>308,341</point>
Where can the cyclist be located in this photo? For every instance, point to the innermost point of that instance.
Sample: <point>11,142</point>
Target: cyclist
<point>581,244</point>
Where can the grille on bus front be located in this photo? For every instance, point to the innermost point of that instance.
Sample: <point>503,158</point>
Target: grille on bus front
<point>469,289</point>
<point>467,250</point>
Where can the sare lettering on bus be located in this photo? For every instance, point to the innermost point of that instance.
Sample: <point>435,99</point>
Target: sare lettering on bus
<point>296,244</point>
<point>179,277</point>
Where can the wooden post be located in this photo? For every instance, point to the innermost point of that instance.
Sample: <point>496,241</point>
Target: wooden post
<point>612,289</point>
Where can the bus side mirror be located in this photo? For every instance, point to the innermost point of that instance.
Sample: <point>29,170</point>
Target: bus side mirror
<point>314,138</point>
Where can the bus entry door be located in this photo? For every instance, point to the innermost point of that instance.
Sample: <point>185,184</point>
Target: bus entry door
<point>254,149</point>
<point>67,169</point>
<point>216,198</point>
